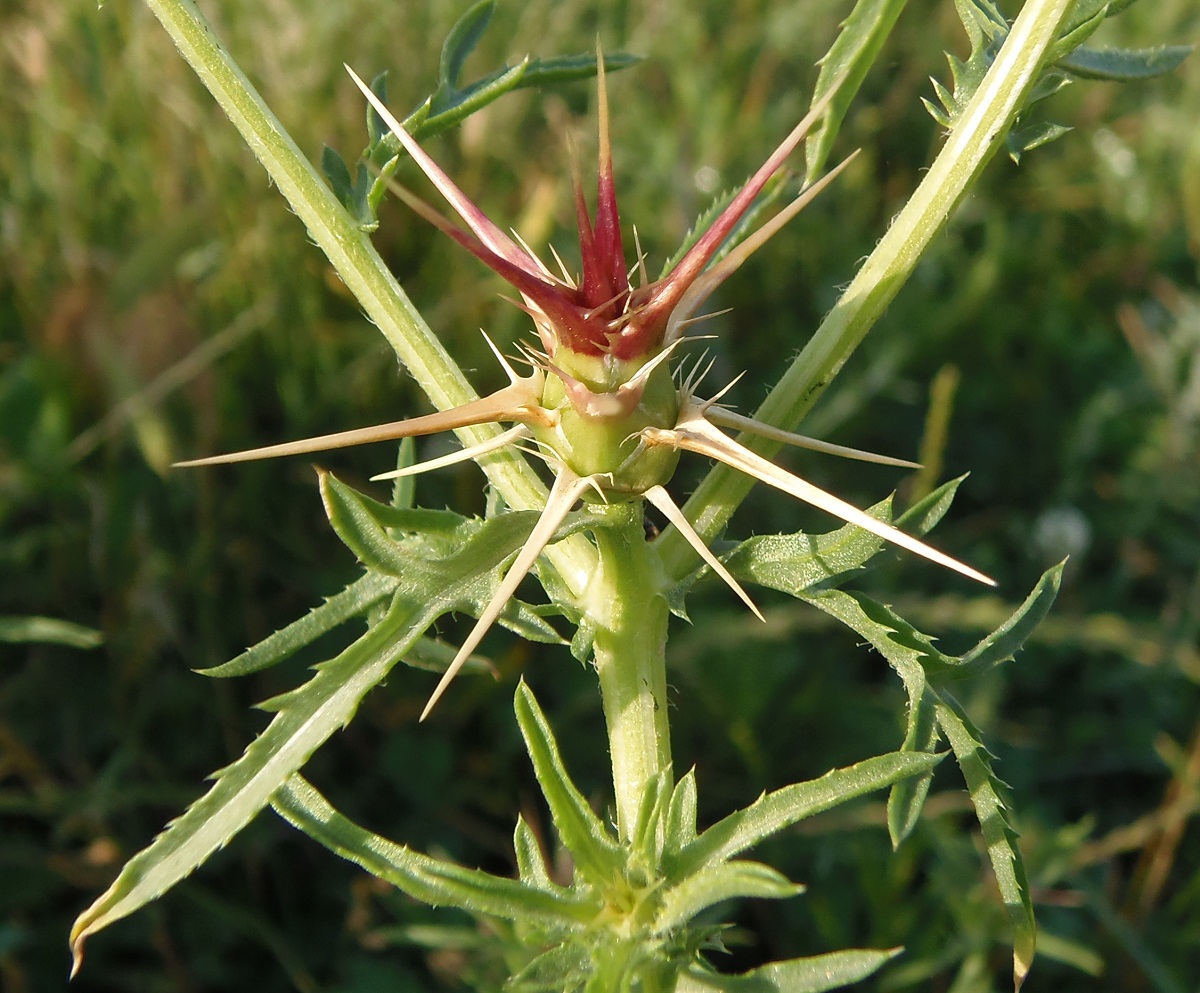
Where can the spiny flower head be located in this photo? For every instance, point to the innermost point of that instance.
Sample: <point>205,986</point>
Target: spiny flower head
<point>599,402</point>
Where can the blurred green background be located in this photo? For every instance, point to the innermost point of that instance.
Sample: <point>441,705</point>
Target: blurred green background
<point>158,301</point>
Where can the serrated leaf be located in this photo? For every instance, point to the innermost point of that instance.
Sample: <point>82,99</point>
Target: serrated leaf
<point>1002,644</point>
<point>1124,65</point>
<point>714,884</point>
<point>852,54</point>
<point>924,515</point>
<point>597,855</point>
<point>1022,140</point>
<point>795,563</point>
<point>462,40</point>
<point>355,600</point>
<point>478,548</point>
<point>749,222</point>
<point>782,808</point>
<point>309,716</point>
<point>357,523</point>
<point>423,878</point>
<point>815,974</point>
<point>888,633</point>
<point>989,798</point>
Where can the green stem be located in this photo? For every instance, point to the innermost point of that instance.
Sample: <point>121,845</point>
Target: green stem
<point>978,134</point>
<point>351,253</point>
<point>625,604</point>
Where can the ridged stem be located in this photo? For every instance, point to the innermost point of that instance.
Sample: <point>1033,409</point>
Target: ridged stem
<point>624,601</point>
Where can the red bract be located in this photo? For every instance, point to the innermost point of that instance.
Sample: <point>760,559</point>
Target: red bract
<point>601,313</point>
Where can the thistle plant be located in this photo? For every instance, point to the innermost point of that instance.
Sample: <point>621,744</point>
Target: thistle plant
<point>613,391</point>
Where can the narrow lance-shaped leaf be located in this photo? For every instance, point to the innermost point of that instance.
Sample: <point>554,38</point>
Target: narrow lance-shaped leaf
<point>907,797</point>
<point>711,885</point>
<point>354,601</point>
<point>309,716</point>
<point>815,974</point>
<point>988,796</point>
<point>592,846</point>
<point>852,54</point>
<point>1124,64</point>
<point>782,808</point>
<point>461,41</point>
<point>426,879</point>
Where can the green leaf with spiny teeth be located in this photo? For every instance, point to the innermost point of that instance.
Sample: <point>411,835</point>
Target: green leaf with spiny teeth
<point>714,884</point>
<point>354,601</point>
<point>598,857</point>
<point>772,812</point>
<point>423,878</point>
<point>989,796</point>
<point>852,54</point>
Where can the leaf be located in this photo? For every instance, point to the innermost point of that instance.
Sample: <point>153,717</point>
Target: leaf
<point>646,840</point>
<point>771,193</point>
<point>356,599</point>
<point>49,631</point>
<point>713,884</point>
<point>924,515</point>
<point>681,814</point>
<point>560,968</point>
<point>461,42</point>
<point>306,718</point>
<point>775,811</point>
<point>795,563</point>
<point>989,798</point>
<point>571,68</point>
<point>1003,644</point>
<point>847,62</point>
<point>907,797</point>
<point>531,866</point>
<point>597,855</point>
<point>888,633</point>
<point>337,174</point>
<point>1124,65</point>
<point>423,878</point>
<point>364,525</point>
<point>815,974</point>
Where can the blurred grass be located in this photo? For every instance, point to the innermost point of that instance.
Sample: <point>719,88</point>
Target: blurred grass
<point>158,300</point>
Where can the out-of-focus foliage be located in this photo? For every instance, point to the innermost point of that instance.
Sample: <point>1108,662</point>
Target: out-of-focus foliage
<point>158,300</point>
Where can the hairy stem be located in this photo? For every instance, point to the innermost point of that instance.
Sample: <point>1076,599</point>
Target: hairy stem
<point>351,253</point>
<point>624,601</point>
<point>978,134</point>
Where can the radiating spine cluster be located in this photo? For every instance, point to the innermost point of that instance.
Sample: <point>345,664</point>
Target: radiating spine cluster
<point>600,405</point>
